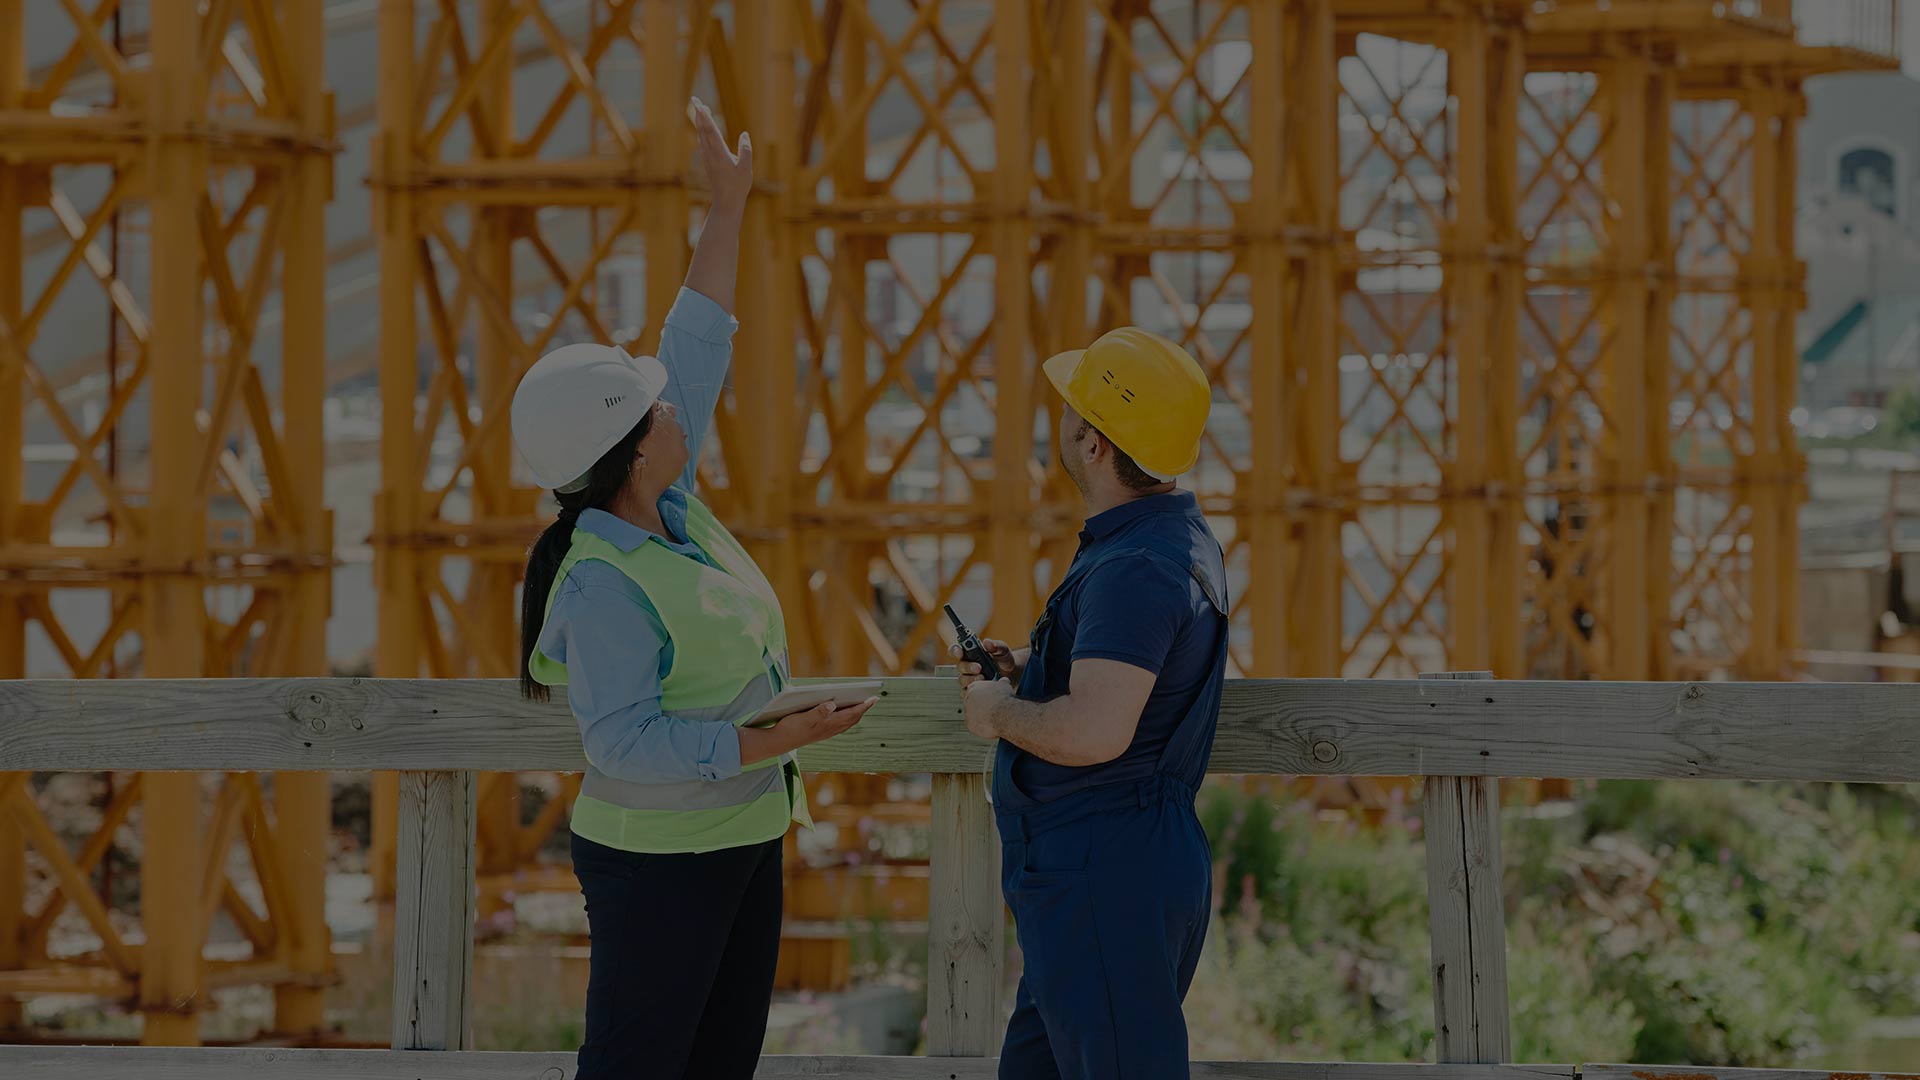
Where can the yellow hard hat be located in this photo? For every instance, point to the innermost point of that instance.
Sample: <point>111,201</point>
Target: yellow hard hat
<point>1143,392</point>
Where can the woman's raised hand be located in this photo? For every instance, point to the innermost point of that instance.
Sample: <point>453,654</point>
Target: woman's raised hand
<point>729,172</point>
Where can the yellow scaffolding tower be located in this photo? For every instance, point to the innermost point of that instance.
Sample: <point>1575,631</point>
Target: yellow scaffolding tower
<point>187,524</point>
<point>1437,258</point>
<point>1495,296</point>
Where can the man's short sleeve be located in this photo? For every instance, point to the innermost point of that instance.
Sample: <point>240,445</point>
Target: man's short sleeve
<point>1132,609</point>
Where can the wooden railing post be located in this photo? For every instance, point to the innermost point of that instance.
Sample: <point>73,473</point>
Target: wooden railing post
<point>1466,917</point>
<point>966,927</point>
<point>433,912</point>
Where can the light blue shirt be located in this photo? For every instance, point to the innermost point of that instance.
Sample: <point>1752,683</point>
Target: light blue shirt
<point>603,627</point>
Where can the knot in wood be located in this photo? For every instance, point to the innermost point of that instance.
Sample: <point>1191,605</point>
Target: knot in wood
<point>1695,692</point>
<point>1324,752</point>
<point>314,705</point>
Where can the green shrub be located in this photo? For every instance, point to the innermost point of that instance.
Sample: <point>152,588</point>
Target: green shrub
<point>1705,923</point>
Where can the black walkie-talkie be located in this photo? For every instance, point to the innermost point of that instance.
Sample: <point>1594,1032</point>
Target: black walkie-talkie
<point>971,648</point>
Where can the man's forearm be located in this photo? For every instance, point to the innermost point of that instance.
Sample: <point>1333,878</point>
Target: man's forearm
<point>716,258</point>
<point>1046,730</point>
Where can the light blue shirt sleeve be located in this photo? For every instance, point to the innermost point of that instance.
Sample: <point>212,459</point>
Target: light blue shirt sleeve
<point>696,346</point>
<point>616,651</point>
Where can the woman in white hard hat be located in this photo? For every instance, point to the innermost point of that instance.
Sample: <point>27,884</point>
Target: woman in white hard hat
<point>666,636</point>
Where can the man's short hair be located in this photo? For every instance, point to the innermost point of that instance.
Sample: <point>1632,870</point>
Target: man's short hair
<point>1130,474</point>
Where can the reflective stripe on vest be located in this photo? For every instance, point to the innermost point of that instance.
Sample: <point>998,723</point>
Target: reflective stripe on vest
<point>730,649</point>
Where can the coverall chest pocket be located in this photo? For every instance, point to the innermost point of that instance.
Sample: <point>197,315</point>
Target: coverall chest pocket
<point>1037,683</point>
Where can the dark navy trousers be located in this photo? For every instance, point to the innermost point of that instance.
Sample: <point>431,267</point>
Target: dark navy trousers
<point>681,971</point>
<point>1111,889</point>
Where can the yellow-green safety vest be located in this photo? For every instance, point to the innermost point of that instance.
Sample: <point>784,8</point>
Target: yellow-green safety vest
<point>730,659</point>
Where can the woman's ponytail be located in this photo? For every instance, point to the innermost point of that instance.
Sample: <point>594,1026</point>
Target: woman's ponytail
<point>604,483</point>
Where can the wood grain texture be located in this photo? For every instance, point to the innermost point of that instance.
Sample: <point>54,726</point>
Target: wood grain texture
<point>1709,1072</point>
<point>260,1063</point>
<point>1465,915</point>
<point>434,912</point>
<point>966,922</point>
<point>1865,732</point>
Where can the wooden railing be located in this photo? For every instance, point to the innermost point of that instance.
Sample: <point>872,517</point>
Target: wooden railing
<point>1461,732</point>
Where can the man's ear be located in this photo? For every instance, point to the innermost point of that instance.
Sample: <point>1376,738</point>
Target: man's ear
<point>1098,443</point>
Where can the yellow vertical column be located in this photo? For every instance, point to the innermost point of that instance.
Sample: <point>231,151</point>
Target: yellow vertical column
<point>847,650</point>
<point>1116,172</point>
<point>173,633</point>
<point>1506,67</point>
<point>766,385</point>
<point>1314,630</point>
<point>1069,287</point>
<point>13,852</point>
<point>1010,528</point>
<point>1625,299</point>
<point>396,562</point>
<point>1468,309</point>
<point>1662,473</point>
<point>1072,130</point>
<point>1266,257</point>
<point>1789,106</point>
<point>667,149</point>
<point>301,803</point>
<point>489,601</point>
<point>493,617</point>
<point>1763,294</point>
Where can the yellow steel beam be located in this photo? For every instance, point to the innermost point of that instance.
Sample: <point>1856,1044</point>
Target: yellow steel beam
<point>302,804</point>
<point>1468,282</point>
<point>1313,607</point>
<point>397,565</point>
<point>1010,538</point>
<point>1787,299</point>
<point>1625,300</point>
<point>767,380</point>
<point>1758,292</point>
<point>488,606</point>
<point>665,199</point>
<point>1661,471</point>
<point>1772,294</point>
<point>1505,474</point>
<point>1268,524</point>
<point>171,991</point>
<point>846,647</point>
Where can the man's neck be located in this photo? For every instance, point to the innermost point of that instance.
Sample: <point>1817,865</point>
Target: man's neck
<point>1099,502</point>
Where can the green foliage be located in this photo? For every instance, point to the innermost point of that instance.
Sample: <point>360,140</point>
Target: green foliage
<point>1705,923</point>
<point>1903,411</point>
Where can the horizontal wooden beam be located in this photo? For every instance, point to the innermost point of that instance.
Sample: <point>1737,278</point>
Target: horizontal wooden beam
<point>182,1063</point>
<point>1708,1072</point>
<point>1861,732</point>
<point>171,1063</point>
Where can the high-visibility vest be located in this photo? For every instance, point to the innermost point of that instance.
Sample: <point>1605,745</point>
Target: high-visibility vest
<point>730,659</point>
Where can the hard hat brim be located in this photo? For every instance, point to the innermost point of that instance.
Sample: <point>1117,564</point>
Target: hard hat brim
<point>1059,369</point>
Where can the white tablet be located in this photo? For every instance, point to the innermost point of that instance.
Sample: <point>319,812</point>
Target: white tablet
<point>797,698</point>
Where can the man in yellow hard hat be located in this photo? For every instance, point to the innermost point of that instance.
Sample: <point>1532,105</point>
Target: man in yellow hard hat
<point>1105,725</point>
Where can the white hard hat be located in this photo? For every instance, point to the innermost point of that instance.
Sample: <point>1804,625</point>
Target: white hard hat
<point>574,403</point>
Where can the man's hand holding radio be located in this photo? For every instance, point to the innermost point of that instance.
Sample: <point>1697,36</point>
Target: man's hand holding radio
<point>1010,662</point>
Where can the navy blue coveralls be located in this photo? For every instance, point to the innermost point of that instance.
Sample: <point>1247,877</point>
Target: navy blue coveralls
<point>1106,868</point>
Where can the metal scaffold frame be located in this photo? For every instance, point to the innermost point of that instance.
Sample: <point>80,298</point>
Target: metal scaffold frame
<point>1451,439</point>
<point>1496,299</point>
<point>211,133</point>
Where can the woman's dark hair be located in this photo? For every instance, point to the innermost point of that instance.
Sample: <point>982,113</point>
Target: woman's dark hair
<point>604,482</point>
